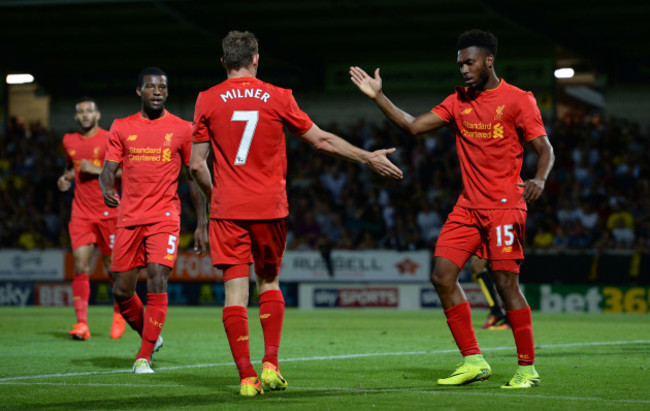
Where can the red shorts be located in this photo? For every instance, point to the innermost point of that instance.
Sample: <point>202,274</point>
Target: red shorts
<point>497,235</point>
<point>262,242</point>
<point>140,245</point>
<point>100,232</point>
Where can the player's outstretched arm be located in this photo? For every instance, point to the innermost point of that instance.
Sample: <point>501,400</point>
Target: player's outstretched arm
<point>372,87</point>
<point>107,183</point>
<point>533,188</point>
<point>336,146</point>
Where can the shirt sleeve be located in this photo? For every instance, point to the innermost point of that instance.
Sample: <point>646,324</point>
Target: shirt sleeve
<point>445,110</point>
<point>66,149</point>
<point>114,146</point>
<point>529,122</point>
<point>296,120</point>
<point>199,126</point>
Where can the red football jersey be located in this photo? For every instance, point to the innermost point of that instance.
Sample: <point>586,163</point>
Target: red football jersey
<point>88,202</point>
<point>244,119</point>
<point>492,126</point>
<point>151,153</point>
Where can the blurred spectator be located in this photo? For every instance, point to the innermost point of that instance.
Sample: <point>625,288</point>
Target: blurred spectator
<point>622,235</point>
<point>560,239</point>
<point>619,213</point>
<point>543,237</point>
<point>578,236</point>
<point>429,221</point>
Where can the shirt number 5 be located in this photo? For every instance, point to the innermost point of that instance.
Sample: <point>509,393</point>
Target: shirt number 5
<point>250,117</point>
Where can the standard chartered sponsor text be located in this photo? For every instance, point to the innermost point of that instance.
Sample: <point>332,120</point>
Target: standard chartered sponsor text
<point>144,153</point>
<point>470,130</point>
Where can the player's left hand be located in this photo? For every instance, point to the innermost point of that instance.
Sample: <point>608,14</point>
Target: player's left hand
<point>379,163</point>
<point>201,239</point>
<point>532,189</point>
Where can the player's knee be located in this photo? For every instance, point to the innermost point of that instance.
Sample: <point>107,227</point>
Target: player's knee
<point>121,293</point>
<point>506,283</point>
<point>442,279</point>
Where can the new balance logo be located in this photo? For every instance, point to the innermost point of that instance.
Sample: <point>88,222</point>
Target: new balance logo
<point>169,257</point>
<point>467,110</point>
<point>264,316</point>
<point>243,338</point>
<point>132,137</point>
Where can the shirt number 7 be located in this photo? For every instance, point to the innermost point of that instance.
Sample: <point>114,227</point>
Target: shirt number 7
<point>250,117</point>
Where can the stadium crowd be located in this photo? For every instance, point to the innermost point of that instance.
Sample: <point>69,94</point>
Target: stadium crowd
<point>597,196</point>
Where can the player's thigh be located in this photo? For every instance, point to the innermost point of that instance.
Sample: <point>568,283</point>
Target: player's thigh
<point>105,234</point>
<point>268,242</point>
<point>505,232</point>
<point>460,237</point>
<point>161,243</point>
<point>128,249</point>
<point>230,242</point>
<point>81,232</point>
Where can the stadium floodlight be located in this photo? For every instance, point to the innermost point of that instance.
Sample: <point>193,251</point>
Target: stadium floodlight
<point>566,72</point>
<point>19,78</point>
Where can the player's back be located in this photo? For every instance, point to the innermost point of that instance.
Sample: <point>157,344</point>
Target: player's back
<point>244,119</point>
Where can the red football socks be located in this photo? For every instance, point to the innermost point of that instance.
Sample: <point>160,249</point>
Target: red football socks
<point>271,317</point>
<point>80,295</point>
<point>522,330</point>
<point>459,319</point>
<point>235,321</point>
<point>133,311</point>
<point>154,318</point>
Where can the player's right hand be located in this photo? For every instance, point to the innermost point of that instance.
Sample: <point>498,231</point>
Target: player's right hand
<point>379,163</point>
<point>63,183</point>
<point>371,87</point>
<point>111,198</point>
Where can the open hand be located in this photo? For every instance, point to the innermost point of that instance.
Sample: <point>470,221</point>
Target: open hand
<point>371,87</point>
<point>379,163</point>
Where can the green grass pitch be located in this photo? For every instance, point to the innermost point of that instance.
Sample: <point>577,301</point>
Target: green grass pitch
<point>333,359</point>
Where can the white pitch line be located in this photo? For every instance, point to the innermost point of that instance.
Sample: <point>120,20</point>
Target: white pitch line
<point>320,358</point>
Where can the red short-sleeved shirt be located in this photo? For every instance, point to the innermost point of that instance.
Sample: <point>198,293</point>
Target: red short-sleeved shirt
<point>152,153</point>
<point>492,127</point>
<point>244,120</point>
<point>88,202</point>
